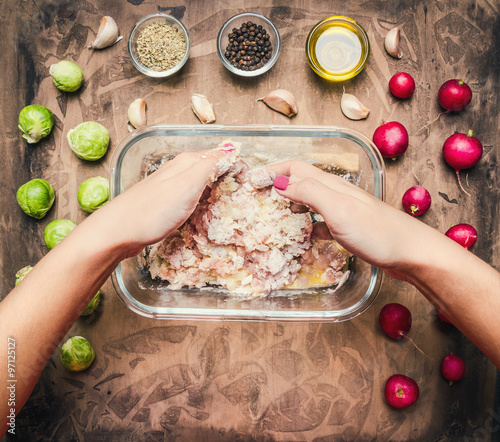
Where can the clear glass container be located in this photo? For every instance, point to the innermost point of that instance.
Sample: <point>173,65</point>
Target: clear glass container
<point>236,22</point>
<point>337,48</point>
<point>132,44</point>
<point>342,151</point>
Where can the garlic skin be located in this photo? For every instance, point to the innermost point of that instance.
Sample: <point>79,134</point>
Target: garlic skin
<point>136,114</point>
<point>352,108</point>
<point>202,108</point>
<point>107,34</point>
<point>392,43</point>
<point>281,101</point>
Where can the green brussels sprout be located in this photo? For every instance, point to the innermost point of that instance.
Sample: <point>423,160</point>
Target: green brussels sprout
<point>22,273</point>
<point>35,122</point>
<point>77,354</point>
<point>89,140</point>
<point>92,305</point>
<point>67,76</point>
<point>36,197</point>
<point>93,193</point>
<point>56,231</point>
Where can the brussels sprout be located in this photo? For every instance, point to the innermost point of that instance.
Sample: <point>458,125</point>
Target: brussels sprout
<point>67,76</point>
<point>77,354</point>
<point>22,273</point>
<point>89,140</point>
<point>56,231</point>
<point>93,193</point>
<point>35,197</point>
<point>35,122</point>
<point>92,305</point>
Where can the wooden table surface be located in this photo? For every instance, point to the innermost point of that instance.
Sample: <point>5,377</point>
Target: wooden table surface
<point>207,381</point>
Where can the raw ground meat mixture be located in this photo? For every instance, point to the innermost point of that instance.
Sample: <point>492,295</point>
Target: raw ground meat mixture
<point>244,237</point>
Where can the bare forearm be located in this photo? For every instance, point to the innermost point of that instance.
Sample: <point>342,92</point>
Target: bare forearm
<point>39,311</point>
<point>463,287</point>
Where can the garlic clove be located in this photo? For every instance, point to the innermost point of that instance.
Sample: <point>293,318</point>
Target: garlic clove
<point>281,101</point>
<point>202,108</point>
<point>107,34</point>
<point>392,43</point>
<point>352,108</point>
<point>137,113</point>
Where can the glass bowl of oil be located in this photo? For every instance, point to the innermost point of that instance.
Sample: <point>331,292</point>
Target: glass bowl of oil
<point>337,48</point>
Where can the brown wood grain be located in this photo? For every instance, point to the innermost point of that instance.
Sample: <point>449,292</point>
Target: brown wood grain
<point>206,381</point>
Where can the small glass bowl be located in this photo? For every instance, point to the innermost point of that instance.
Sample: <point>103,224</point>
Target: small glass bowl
<point>236,22</point>
<point>337,22</point>
<point>132,44</point>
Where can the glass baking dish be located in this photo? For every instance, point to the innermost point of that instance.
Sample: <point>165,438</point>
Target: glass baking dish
<point>342,151</point>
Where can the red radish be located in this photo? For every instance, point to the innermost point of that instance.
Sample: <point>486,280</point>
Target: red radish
<point>454,95</point>
<point>462,151</point>
<point>452,368</point>
<point>395,320</point>
<point>391,139</point>
<point>402,85</point>
<point>416,200</point>
<point>401,391</point>
<point>443,317</point>
<point>463,234</point>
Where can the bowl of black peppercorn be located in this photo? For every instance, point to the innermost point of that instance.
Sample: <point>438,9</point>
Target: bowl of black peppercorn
<point>248,44</point>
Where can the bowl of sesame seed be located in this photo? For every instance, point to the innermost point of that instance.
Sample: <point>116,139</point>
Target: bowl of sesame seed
<point>248,44</point>
<point>159,45</point>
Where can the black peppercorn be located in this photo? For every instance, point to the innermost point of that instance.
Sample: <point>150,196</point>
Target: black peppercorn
<point>249,47</point>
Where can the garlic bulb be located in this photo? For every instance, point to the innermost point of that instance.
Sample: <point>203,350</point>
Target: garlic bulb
<point>202,108</point>
<point>107,34</point>
<point>352,108</point>
<point>281,101</point>
<point>392,43</point>
<point>137,114</point>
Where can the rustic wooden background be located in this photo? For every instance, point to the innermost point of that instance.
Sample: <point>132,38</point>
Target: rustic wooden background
<point>207,381</point>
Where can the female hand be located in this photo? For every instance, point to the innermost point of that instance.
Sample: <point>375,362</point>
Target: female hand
<point>361,223</point>
<point>157,205</point>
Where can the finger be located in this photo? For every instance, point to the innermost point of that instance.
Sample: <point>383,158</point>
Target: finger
<point>179,164</point>
<point>317,196</point>
<point>308,191</point>
<point>301,169</point>
<point>208,167</point>
<point>297,168</point>
<point>321,231</point>
<point>185,160</point>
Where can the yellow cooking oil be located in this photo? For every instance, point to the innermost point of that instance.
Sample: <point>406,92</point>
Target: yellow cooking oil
<point>337,48</point>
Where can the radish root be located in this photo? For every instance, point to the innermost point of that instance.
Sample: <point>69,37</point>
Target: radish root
<point>416,177</point>
<point>433,121</point>
<point>460,183</point>
<point>416,346</point>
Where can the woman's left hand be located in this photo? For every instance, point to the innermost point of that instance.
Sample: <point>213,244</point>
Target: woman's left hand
<point>157,205</point>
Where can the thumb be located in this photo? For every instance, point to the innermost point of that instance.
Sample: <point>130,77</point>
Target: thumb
<point>210,166</point>
<point>307,191</point>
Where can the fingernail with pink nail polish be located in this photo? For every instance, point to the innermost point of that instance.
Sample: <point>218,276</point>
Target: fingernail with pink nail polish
<point>281,182</point>
<point>228,148</point>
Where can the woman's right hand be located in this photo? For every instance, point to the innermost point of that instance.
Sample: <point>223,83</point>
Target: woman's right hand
<point>361,223</point>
